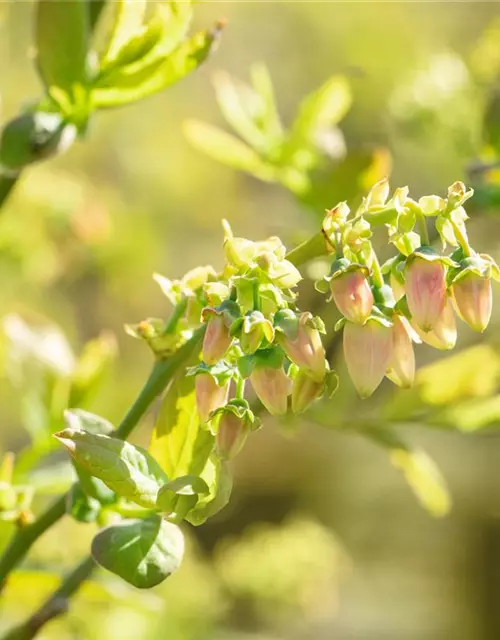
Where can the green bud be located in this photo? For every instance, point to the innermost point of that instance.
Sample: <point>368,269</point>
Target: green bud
<point>32,137</point>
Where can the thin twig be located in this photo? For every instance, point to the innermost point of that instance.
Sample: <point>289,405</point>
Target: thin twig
<point>56,605</point>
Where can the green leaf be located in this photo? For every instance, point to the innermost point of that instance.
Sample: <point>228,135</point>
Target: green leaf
<point>419,470</point>
<point>179,443</point>
<point>128,85</point>
<point>142,552</point>
<point>227,149</point>
<point>128,18</point>
<point>85,421</point>
<point>218,477</point>
<point>81,506</point>
<point>126,469</point>
<point>62,40</point>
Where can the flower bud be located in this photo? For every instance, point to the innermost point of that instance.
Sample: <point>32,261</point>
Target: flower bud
<point>231,435</point>
<point>305,391</point>
<point>425,291</point>
<point>444,333</point>
<point>303,345</point>
<point>352,295</point>
<point>252,331</point>
<point>402,361</point>
<point>217,339</point>
<point>367,351</point>
<point>209,395</point>
<point>473,300</point>
<point>272,387</point>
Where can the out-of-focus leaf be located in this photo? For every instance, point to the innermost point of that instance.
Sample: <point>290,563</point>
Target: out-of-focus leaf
<point>95,8</point>
<point>126,469</point>
<point>235,102</point>
<point>45,345</point>
<point>470,373</point>
<point>319,111</point>
<point>425,480</point>
<point>142,552</point>
<point>271,122</point>
<point>91,367</point>
<point>227,149</point>
<point>62,40</point>
<point>128,19</point>
<point>179,443</point>
<point>127,85</point>
<point>470,415</point>
<point>419,470</point>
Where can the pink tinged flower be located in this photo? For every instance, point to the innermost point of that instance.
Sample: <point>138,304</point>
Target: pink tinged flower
<point>367,351</point>
<point>217,339</point>
<point>231,435</point>
<point>305,391</point>
<point>473,300</point>
<point>425,291</point>
<point>306,349</point>
<point>401,369</point>
<point>352,294</point>
<point>444,334</point>
<point>209,395</point>
<point>272,387</point>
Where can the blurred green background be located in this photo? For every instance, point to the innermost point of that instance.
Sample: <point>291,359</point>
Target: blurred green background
<point>323,537</point>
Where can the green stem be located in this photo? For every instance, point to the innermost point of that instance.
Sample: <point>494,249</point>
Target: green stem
<point>377,277</point>
<point>239,392</point>
<point>424,232</point>
<point>26,536</point>
<point>461,236</point>
<point>177,313</point>
<point>56,604</point>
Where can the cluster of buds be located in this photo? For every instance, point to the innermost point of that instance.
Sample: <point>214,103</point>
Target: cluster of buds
<point>415,295</point>
<point>256,338</point>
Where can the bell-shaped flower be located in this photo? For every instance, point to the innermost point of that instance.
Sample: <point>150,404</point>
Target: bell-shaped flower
<point>209,395</point>
<point>352,294</point>
<point>211,386</point>
<point>305,391</point>
<point>401,368</point>
<point>443,336</point>
<point>272,387</point>
<point>425,285</point>
<point>367,351</point>
<point>231,425</point>
<point>218,339</point>
<point>471,290</point>
<point>473,299</point>
<point>299,337</point>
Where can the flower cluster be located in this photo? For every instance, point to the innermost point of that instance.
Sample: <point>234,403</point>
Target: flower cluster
<point>415,295</point>
<point>256,334</point>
